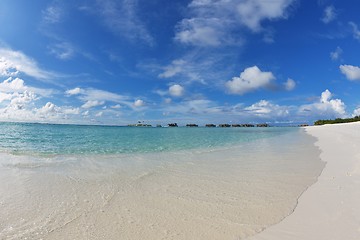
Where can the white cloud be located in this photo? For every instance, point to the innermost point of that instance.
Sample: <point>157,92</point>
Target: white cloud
<point>74,91</point>
<point>176,90</point>
<point>351,72</point>
<point>92,103</point>
<point>329,14</point>
<point>20,100</point>
<point>290,85</point>
<point>117,106</point>
<point>12,85</point>
<point>47,113</point>
<point>5,97</point>
<point>7,69</point>
<point>209,111</point>
<point>193,107</point>
<point>326,107</point>
<point>253,12</point>
<point>13,62</point>
<point>356,31</point>
<point>167,100</point>
<point>173,69</point>
<point>53,13</point>
<point>267,109</point>
<point>70,110</point>
<point>121,17</point>
<point>48,108</point>
<point>139,103</point>
<point>95,97</point>
<point>202,32</point>
<point>356,112</point>
<point>335,55</point>
<point>99,114</point>
<point>101,95</point>
<point>196,67</point>
<point>63,50</point>
<point>250,79</point>
<point>213,22</point>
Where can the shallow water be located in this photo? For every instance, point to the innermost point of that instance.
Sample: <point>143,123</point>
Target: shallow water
<point>27,138</point>
<point>228,189</point>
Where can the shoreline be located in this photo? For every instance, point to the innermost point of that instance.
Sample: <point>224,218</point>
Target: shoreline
<point>222,193</point>
<point>329,208</point>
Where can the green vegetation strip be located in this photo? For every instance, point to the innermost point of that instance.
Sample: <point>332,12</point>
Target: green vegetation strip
<point>337,120</point>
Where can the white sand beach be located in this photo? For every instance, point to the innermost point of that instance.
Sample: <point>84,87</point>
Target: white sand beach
<point>330,208</point>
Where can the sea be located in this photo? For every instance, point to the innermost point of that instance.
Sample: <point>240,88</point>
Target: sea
<point>112,182</point>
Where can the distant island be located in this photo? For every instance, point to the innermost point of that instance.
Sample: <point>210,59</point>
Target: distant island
<point>337,120</point>
<point>224,125</point>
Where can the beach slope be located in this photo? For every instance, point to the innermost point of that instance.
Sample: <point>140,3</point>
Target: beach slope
<point>330,208</point>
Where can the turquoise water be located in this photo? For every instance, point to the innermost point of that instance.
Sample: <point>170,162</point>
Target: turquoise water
<point>25,138</point>
<point>99,182</point>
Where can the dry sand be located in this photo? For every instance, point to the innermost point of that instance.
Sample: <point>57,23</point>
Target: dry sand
<point>329,209</point>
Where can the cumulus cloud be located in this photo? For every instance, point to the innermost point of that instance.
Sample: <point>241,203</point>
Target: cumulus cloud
<point>326,107</point>
<point>176,90</point>
<point>253,12</point>
<point>49,107</point>
<point>5,97</point>
<point>290,85</point>
<point>11,85</point>
<point>20,100</point>
<point>212,22</point>
<point>356,112</point>
<point>250,79</point>
<point>336,54</point>
<point>352,73</point>
<point>329,14</point>
<point>139,103</point>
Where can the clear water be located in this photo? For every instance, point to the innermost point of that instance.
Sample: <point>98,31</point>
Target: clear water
<point>98,182</point>
<point>25,138</point>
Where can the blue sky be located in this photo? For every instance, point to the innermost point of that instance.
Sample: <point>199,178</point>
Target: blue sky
<point>203,61</point>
